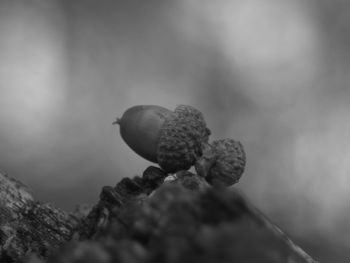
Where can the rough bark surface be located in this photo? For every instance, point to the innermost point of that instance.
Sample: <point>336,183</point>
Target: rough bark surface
<point>144,219</point>
<point>27,226</point>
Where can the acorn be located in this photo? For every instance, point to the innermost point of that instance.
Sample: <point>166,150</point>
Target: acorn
<point>222,163</point>
<point>173,139</point>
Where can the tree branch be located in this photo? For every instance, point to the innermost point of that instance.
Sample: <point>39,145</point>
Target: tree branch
<point>143,219</point>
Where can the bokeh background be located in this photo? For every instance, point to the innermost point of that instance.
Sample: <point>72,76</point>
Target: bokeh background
<point>273,74</point>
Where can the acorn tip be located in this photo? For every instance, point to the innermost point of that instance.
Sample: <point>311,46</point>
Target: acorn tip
<point>117,121</point>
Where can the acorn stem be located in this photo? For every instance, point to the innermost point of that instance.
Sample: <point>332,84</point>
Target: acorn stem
<point>206,161</point>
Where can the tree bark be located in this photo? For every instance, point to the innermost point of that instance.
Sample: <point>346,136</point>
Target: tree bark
<point>27,226</point>
<point>143,219</point>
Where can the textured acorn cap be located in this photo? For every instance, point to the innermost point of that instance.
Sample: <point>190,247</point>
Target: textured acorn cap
<point>181,138</point>
<point>230,162</point>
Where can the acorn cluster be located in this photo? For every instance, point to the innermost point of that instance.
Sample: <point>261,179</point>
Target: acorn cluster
<point>179,139</point>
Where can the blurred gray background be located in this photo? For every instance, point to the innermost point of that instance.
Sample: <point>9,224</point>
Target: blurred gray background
<point>273,74</point>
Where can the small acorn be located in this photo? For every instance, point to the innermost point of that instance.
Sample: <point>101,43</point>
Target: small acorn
<point>173,139</point>
<point>222,162</point>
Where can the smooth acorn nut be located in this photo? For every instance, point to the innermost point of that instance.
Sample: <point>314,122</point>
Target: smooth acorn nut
<point>173,139</point>
<point>140,127</point>
<point>222,163</point>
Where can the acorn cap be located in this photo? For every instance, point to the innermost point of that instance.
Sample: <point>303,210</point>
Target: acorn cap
<point>229,163</point>
<point>181,138</point>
